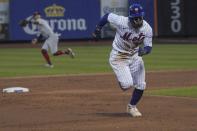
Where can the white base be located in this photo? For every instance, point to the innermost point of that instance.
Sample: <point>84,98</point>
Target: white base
<point>15,90</point>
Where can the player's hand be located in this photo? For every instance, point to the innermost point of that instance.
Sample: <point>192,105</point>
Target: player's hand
<point>23,23</point>
<point>34,41</point>
<point>144,51</point>
<point>97,33</point>
<point>140,51</point>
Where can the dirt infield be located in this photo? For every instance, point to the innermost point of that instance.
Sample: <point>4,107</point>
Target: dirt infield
<point>95,103</point>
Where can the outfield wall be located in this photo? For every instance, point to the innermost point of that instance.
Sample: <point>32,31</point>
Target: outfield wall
<point>4,19</point>
<point>76,20</point>
<point>73,20</point>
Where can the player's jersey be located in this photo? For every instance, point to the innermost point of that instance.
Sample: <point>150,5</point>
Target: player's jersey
<point>128,39</point>
<point>43,28</point>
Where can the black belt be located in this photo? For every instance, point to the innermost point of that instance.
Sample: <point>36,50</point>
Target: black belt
<point>123,53</point>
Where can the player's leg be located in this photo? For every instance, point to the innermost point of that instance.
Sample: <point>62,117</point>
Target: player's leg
<point>45,54</point>
<point>121,70</point>
<point>68,51</point>
<point>58,53</point>
<point>53,43</point>
<point>53,40</point>
<point>138,74</point>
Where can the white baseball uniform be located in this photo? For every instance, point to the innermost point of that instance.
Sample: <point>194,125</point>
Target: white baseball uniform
<point>124,60</point>
<point>52,38</point>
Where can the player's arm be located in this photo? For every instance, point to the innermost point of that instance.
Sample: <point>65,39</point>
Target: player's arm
<point>111,18</point>
<point>35,22</point>
<point>147,44</point>
<point>25,22</point>
<point>38,39</point>
<point>97,32</point>
<point>144,50</point>
<point>147,48</point>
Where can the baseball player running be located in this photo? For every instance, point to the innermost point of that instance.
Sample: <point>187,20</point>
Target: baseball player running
<point>133,39</point>
<point>51,39</point>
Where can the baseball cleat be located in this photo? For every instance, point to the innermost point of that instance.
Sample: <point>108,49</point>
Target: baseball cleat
<point>49,66</point>
<point>133,111</point>
<point>71,53</point>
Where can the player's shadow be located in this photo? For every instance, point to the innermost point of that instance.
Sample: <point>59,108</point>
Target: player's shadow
<point>113,114</point>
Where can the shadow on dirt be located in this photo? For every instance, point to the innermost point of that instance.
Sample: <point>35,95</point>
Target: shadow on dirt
<point>113,114</point>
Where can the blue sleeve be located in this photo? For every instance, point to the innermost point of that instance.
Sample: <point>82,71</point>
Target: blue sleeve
<point>103,20</point>
<point>147,49</point>
<point>144,51</point>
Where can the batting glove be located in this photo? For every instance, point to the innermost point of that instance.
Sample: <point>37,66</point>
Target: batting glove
<point>141,51</point>
<point>144,51</point>
<point>97,33</point>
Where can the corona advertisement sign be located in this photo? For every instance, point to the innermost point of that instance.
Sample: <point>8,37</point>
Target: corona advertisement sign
<point>70,19</point>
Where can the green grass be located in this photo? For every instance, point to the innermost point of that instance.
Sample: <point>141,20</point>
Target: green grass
<point>92,59</point>
<point>28,61</point>
<point>179,92</point>
<point>172,57</point>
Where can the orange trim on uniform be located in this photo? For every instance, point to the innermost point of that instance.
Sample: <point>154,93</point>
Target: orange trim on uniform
<point>155,18</point>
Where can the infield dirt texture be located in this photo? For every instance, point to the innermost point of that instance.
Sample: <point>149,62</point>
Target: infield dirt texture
<point>95,103</point>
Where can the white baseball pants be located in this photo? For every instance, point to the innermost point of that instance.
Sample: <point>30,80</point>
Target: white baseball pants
<point>129,70</point>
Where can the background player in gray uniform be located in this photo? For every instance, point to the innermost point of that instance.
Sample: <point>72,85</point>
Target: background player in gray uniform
<point>133,39</point>
<point>51,39</point>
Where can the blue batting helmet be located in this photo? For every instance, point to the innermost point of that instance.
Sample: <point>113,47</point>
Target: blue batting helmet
<point>136,10</point>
